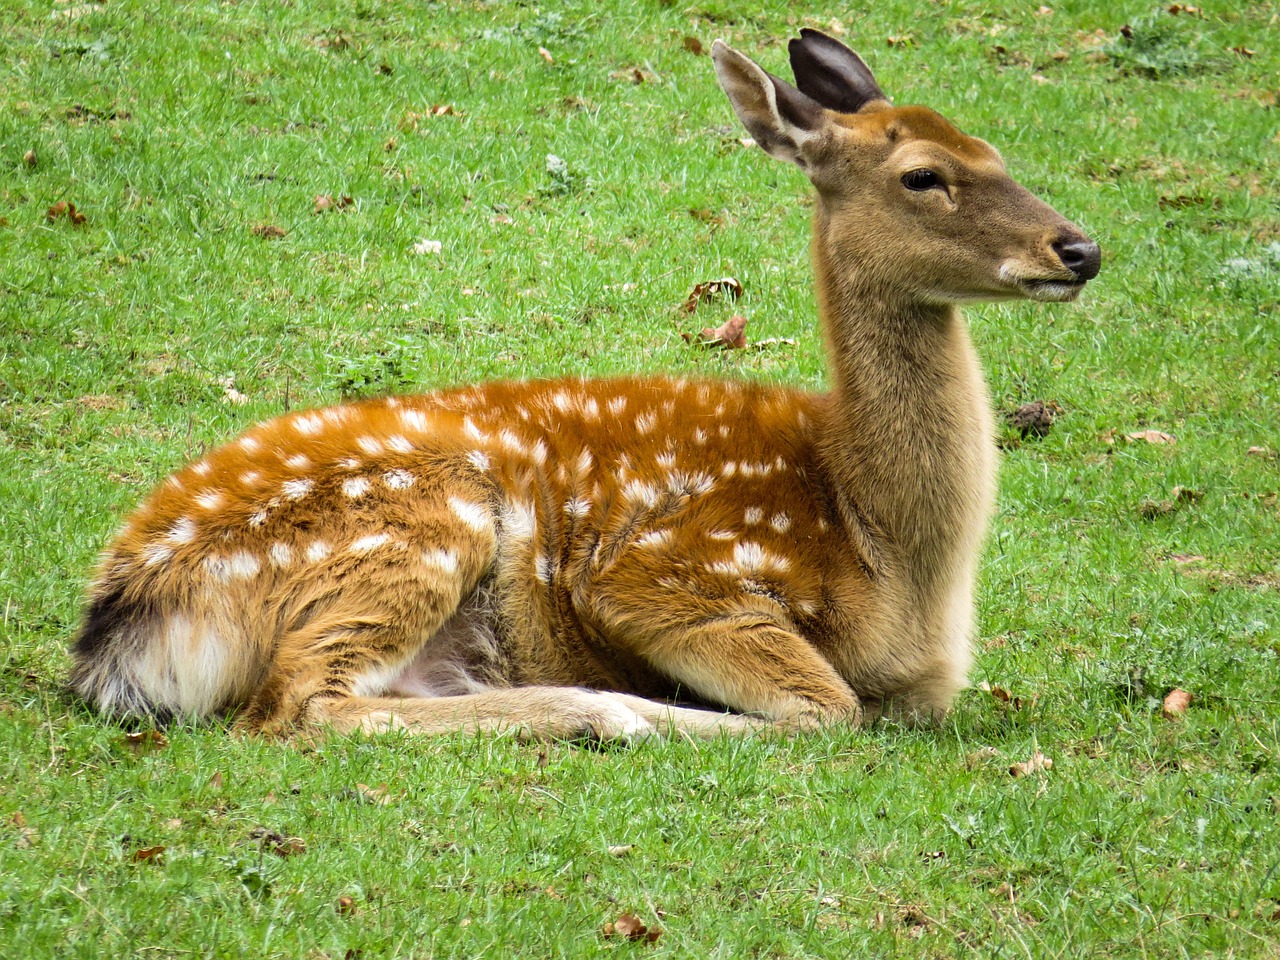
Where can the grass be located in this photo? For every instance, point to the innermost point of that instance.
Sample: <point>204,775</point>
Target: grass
<point>178,129</point>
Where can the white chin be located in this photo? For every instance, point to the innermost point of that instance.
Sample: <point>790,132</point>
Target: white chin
<point>1051,291</point>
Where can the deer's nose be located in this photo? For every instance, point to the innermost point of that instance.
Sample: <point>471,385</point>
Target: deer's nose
<point>1082,257</point>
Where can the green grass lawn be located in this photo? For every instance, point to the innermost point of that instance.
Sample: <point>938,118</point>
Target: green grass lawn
<point>189,135</point>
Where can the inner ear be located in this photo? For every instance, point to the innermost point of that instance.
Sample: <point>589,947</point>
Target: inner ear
<point>832,74</point>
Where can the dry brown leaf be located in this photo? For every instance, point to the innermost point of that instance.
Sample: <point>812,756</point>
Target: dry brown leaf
<point>215,782</point>
<point>633,928</point>
<point>144,741</point>
<point>345,906</point>
<point>268,231</point>
<point>1038,762</point>
<point>694,46</point>
<point>545,54</point>
<point>1243,52</point>
<point>101,401</point>
<point>1261,452</point>
<point>149,854</point>
<point>621,849</point>
<point>1175,704</point>
<point>379,794</point>
<point>980,757</point>
<point>730,335</point>
<point>1036,417</point>
<point>1152,436</point>
<point>325,202</point>
<point>709,289</point>
<point>67,208</point>
<point>29,158</point>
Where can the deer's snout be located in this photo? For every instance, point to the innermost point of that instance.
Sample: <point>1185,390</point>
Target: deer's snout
<point>1079,254</point>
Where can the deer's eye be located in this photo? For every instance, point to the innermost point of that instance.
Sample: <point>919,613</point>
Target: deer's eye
<point>921,180</point>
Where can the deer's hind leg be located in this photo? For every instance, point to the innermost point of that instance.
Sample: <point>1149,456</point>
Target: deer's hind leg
<point>353,620</point>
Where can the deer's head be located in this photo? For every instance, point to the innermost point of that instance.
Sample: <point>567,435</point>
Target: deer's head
<point>907,200</point>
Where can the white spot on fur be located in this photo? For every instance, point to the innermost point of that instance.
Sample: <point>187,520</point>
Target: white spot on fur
<point>318,551</point>
<point>474,515</point>
<point>641,492</point>
<point>258,519</point>
<point>249,444</point>
<point>666,460</point>
<point>646,422</point>
<point>540,453</point>
<point>751,558</point>
<point>780,522</point>
<point>577,508</point>
<point>218,568</point>
<point>243,565</point>
<point>696,484</point>
<point>511,442</point>
<point>173,482</point>
<point>543,568</point>
<point>297,489</point>
<point>349,463</point>
<point>281,555</point>
<point>335,415</point>
<point>414,420</point>
<point>156,553</point>
<point>371,542</point>
<point>355,487</point>
<point>210,499</point>
<point>479,459</point>
<point>617,405</point>
<point>699,436</point>
<point>299,461</point>
<point>399,444</point>
<point>183,531</point>
<point>591,409</point>
<point>202,468</point>
<point>729,469</point>
<point>446,561</point>
<point>655,538</point>
<point>724,429</point>
<point>474,432</point>
<point>250,478</point>
<point>752,515</point>
<point>308,425</point>
<point>562,401</point>
<point>585,461</point>
<point>721,535</point>
<point>370,445</point>
<point>398,479</point>
<point>518,520</point>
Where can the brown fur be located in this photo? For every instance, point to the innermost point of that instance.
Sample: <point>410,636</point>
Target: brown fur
<point>572,557</point>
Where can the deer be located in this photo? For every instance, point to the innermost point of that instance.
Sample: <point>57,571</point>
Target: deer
<point>619,558</point>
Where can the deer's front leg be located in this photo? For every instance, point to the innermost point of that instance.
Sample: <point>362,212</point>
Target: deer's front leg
<point>752,665</point>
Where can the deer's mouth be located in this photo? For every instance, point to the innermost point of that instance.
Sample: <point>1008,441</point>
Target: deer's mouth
<point>1053,290</point>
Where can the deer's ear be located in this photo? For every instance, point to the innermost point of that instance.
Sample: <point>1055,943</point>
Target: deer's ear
<point>832,74</point>
<point>778,116</point>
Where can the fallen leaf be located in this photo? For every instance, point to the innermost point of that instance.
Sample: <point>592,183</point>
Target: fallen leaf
<point>144,741</point>
<point>269,231</point>
<point>1261,452</point>
<point>67,208</point>
<point>709,289</point>
<point>325,202</point>
<point>1038,762</point>
<point>215,782</point>
<point>1152,436</point>
<point>423,247</point>
<point>546,55</point>
<point>621,850</point>
<point>444,110</point>
<point>730,335</point>
<point>1175,704</point>
<point>703,215</point>
<point>149,854</point>
<point>633,928</point>
<point>345,906</point>
<point>694,46</point>
<point>1185,557</point>
<point>1243,52</point>
<point>29,158</point>
<point>377,795</point>
<point>980,757</point>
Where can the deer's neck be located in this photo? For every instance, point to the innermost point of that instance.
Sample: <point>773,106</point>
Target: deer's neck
<point>907,442</point>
